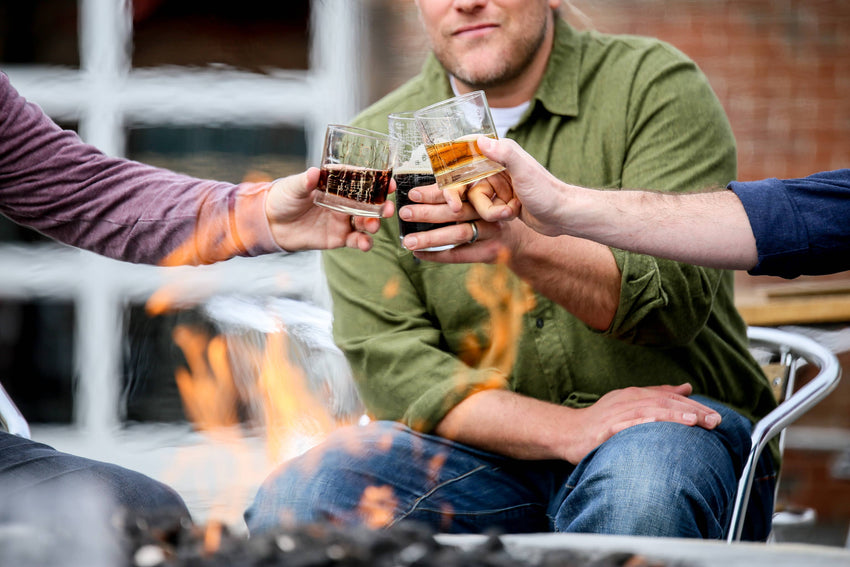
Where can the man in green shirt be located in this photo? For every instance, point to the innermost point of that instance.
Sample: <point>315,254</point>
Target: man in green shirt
<point>526,383</point>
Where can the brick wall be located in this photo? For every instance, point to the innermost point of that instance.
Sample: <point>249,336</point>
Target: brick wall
<point>781,68</point>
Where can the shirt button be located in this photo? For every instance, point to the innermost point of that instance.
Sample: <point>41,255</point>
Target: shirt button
<point>539,323</point>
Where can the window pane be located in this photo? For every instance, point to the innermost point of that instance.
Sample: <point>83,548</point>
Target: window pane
<point>232,154</point>
<point>36,357</point>
<point>39,32</point>
<point>250,34</point>
<point>151,360</point>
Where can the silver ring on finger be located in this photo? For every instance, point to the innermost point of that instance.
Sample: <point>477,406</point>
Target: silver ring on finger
<point>474,232</point>
<point>351,224</point>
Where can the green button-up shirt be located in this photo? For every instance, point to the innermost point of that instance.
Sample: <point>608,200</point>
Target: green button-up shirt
<point>611,112</point>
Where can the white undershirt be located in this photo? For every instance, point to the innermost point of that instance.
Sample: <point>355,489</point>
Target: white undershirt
<point>506,118</point>
<point>503,118</point>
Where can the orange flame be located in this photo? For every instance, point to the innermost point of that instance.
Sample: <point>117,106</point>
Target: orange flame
<point>287,408</point>
<point>210,397</point>
<point>212,537</point>
<point>218,233</point>
<point>287,404</point>
<point>491,287</point>
<point>208,391</point>
<point>377,506</point>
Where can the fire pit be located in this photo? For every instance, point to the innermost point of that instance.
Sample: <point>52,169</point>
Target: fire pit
<point>405,545</point>
<point>168,542</point>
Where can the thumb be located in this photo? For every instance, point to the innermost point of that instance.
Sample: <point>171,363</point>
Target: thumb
<point>307,181</point>
<point>299,185</point>
<point>493,149</point>
<point>505,151</point>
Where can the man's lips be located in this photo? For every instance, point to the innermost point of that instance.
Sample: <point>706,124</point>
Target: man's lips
<point>474,30</point>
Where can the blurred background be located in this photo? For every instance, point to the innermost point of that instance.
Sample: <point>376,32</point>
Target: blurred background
<point>243,90</point>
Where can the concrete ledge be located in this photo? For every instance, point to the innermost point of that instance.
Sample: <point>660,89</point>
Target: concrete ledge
<point>685,552</point>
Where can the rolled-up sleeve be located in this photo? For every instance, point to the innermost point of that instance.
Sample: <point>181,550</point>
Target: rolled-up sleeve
<point>399,357</point>
<point>679,139</point>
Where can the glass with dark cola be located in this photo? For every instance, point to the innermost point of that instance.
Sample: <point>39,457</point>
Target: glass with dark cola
<point>411,168</point>
<point>355,171</point>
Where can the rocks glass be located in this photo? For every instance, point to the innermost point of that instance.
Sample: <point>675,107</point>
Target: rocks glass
<point>355,171</point>
<point>411,168</point>
<point>449,129</point>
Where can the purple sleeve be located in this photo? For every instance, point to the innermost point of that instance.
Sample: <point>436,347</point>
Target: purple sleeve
<point>801,226</point>
<point>53,182</point>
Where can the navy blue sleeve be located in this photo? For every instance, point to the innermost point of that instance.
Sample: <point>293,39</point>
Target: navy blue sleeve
<point>801,226</point>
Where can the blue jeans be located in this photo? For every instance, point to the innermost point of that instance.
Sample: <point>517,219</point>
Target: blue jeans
<point>36,480</point>
<point>655,479</point>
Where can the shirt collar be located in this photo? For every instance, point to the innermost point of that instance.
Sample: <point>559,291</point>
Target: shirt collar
<point>558,91</point>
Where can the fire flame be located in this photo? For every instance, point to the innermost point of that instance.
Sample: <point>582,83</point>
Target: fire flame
<point>288,410</point>
<point>287,406</point>
<point>377,506</point>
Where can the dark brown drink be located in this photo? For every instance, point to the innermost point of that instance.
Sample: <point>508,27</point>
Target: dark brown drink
<point>353,190</point>
<point>359,184</point>
<point>405,181</point>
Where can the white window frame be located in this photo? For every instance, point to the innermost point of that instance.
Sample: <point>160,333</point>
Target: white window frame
<point>103,97</point>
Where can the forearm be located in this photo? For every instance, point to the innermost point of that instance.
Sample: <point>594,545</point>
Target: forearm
<point>578,274</point>
<point>137,213</point>
<point>509,424</point>
<point>52,181</point>
<point>516,426</point>
<point>709,229</point>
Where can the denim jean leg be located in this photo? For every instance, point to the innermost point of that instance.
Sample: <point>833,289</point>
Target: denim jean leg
<point>666,479</point>
<point>385,473</point>
<point>36,479</point>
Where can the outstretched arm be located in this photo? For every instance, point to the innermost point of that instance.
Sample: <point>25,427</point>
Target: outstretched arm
<point>705,228</point>
<point>53,182</point>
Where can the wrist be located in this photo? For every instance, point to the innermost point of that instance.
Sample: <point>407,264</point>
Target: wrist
<point>577,211</point>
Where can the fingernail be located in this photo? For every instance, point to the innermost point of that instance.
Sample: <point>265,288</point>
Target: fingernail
<point>415,195</point>
<point>690,417</point>
<point>410,242</point>
<point>404,213</point>
<point>712,419</point>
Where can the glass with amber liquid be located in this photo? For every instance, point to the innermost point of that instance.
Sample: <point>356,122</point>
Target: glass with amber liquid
<point>450,129</point>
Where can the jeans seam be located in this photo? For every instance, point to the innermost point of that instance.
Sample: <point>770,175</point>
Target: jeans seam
<point>419,500</point>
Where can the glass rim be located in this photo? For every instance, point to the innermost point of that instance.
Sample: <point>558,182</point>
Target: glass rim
<point>365,132</point>
<point>403,115</point>
<point>451,101</point>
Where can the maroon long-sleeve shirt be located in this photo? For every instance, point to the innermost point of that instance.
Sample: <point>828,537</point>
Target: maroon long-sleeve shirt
<point>51,181</point>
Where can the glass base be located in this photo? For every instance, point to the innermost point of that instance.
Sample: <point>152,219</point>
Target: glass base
<point>348,206</point>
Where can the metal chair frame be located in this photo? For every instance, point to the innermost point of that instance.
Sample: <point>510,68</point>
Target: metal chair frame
<point>794,351</point>
<point>11,418</point>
